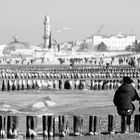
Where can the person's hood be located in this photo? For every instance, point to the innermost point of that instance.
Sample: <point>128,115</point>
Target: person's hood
<point>125,88</point>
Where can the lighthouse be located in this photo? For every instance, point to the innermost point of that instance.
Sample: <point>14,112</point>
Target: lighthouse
<point>47,33</point>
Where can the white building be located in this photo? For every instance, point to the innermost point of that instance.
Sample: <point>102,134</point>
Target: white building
<point>1,49</point>
<point>114,42</point>
<point>89,40</point>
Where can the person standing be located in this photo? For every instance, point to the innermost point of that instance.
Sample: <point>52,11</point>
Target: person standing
<point>12,126</point>
<point>123,98</point>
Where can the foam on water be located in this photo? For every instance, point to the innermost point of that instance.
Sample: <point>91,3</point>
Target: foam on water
<point>5,107</point>
<point>50,103</point>
<point>39,107</point>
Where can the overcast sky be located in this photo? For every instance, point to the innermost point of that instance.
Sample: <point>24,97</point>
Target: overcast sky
<point>24,18</point>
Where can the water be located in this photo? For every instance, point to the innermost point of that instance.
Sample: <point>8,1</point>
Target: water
<point>67,103</point>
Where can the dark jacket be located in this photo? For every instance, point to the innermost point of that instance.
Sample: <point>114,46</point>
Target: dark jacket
<point>124,96</point>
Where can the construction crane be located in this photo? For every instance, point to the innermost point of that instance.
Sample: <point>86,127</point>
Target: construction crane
<point>99,30</point>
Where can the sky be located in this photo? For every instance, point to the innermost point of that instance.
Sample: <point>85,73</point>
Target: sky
<point>24,18</point>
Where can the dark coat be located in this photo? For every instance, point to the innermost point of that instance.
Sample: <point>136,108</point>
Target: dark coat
<point>124,96</point>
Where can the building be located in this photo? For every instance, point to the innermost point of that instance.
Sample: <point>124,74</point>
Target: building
<point>47,33</point>
<point>66,46</point>
<point>89,40</point>
<point>115,42</point>
<point>1,50</point>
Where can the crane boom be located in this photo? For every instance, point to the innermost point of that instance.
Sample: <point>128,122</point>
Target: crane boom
<point>99,30</point>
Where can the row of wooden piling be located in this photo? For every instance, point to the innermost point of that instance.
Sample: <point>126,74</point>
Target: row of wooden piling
<point>49,125</point>
<point>68,75</point>
<point>8,85</point>
<point>67,68</point>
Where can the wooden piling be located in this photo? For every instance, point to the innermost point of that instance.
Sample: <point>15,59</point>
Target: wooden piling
<point>60,84</point>
<point>56,84</point>
<point>14,86</point>
<point>28,86</point>
<point>18,85</point>
<point>3,88</point>
<point>8,86</point>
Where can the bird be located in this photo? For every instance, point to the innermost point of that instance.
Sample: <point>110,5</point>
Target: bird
<point>64,28</point>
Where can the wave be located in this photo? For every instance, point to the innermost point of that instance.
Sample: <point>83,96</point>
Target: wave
<point>39,107</point>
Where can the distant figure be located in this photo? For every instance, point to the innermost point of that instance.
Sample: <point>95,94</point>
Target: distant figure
<point>123,98</point>
<point>107,65</point>
<point>2,126</point>
<point>132,62</point>
<point>31,125</point>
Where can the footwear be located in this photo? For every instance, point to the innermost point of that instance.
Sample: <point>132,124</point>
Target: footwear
<point>27,134</point>
<point>112,132</point>
<point>45,133</point>
<point>9,133</point>
<point>91,133</point>
<point>126,132</point>
<point>15,132</point>
<point>32,132</point>
<point>62,134</point>
<point>76,133</point>
<point>96,133</point>
<point>2,133</point>
<point>50,133</point>
<point>81,134</point>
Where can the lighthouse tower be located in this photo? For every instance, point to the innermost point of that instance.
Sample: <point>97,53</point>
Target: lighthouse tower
<point>47,33</point>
